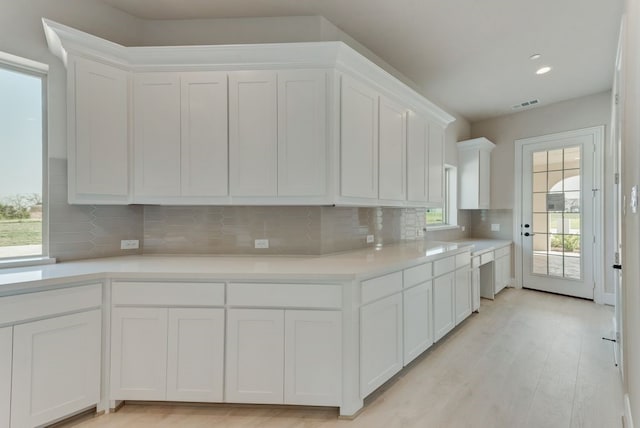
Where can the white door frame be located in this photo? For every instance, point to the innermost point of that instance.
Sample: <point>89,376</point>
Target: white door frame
<point>597,132</point>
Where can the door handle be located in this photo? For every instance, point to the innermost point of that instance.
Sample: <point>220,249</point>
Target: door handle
<point>619,267</point>
<point>528,234</point>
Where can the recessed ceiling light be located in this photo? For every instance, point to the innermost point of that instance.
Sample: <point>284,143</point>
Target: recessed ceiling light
<point>535,56</point>
<point>543,70</point>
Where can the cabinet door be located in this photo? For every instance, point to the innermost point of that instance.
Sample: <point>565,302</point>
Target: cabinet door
<point>98,133</point>
<point>138,353</point>
<point>502,273</point>
<point>56,368</point>
<point>443,304</point>
<point>313,358</point>
<point>253,136</point>
<point>463,301</point>
<point>436,163</point>
<point>417,158</point>
<point>255,356</point>
<point>484,179</point>
<point>156,99</point>
<point>204,134</point>
<point>195,360</point>
<point>418,327</point>
<point>302,133</point>
<point>392,151</point>
<point>6,351</point>
<point>380,342</point>
<point>475,289</point>
<point>358,140</point>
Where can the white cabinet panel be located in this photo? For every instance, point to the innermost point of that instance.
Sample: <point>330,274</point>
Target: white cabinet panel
<point>253,136</point>
<point>6,351</point>
<point>463,301</point>
<point>380,342</point>
<point>255,356</point>
<point>302,133</point>
<point>484,192</point>
<point>436,163</point>
<point>418,326</point>
<point>417,158</point>
<point>156,99</point>
<point>392,151</point>
<point>443,305</point>
<point>98,133</point>
<point>195,355</point>
<point>204,134</point>
<point>502,273</point>
<point>56,368</point>
<point>138,353</point>
<point>474,169</point>
<point>475,289</point>
<point>313,358</point>
<point>358,140</point>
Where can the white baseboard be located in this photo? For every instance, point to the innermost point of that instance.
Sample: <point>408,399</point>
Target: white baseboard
<point>609,299</point>
<point>628,419</point>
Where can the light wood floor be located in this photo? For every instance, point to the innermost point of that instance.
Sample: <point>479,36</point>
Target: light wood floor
<point>529,359</point>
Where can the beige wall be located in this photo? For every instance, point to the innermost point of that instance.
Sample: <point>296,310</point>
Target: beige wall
<point>631,221</point>
<point>579,113</point>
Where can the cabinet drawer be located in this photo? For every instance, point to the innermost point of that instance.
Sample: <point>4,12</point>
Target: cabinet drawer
<point>443,266</point>
<point>463,259</point>
<point>475,262</point>
<point>168,293</point>
<point>501,252</point>
<point>417,274</point>
<point>14,309</point>
<point>322,296</point>
<point>486,257</point>
<point>381,286</point>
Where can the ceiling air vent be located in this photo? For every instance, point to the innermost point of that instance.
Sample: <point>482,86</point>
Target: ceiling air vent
<point>525,104</point>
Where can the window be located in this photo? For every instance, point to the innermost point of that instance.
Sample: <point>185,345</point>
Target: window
<point>447,214</point>
<point>22,86</point>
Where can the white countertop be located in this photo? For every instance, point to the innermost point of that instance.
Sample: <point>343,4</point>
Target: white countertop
<point>484,245</point>
<point>350,265</point>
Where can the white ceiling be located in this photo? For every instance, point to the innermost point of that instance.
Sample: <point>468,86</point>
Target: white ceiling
<point>472,56</point>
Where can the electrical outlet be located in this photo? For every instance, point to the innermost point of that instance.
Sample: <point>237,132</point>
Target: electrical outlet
<point>463,228</point>
<point>370,239</point>
<point>495,227</point>
<point>261,243</point>
<point>129,244</point>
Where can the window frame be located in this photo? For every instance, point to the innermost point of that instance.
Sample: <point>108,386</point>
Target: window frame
<point>450,203</point>
<point>40,70</point>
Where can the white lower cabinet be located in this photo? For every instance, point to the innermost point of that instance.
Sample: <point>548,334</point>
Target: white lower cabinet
<point>502,272</point>
<point>56,368</point>
<point>167,354</point>
<point>255,356</point>
<point>139,353</point>
<point>6,351</point>
<point>463,302</point>
<point>443,305</point>
<point>381,349</point>
<point>195,361</point>
<point>418,326</point>
<point>277,356</point>
<point>475,289</point>
<point>313,358</point>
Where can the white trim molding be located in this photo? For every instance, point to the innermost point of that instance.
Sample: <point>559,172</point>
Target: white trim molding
<point>628,418</point>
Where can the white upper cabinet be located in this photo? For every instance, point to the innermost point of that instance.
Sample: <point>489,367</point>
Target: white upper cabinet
<point>417,158</point>
<point>204,135</point>
<point>392,151</point>
<point>302,133</point>
<point>156,99</point>
<point>98,147</point>
<point>474,168</point>
<point>358,140</point>
<point>253,133</point>
<point>436,163</point>
<point>274,124</point>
